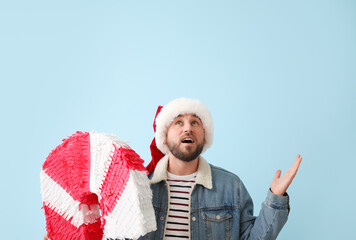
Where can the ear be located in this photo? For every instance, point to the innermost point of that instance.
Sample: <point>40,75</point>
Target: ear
<point>204,141</point>
<point>165,141</point>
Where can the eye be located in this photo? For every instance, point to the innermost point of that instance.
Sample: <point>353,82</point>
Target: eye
<point>195,123</point>
<point>178,123</point>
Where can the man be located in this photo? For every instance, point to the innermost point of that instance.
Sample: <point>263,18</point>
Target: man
<point>195,200</point>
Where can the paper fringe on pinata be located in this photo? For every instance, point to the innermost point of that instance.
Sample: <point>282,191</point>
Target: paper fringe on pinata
<point>94,186</point>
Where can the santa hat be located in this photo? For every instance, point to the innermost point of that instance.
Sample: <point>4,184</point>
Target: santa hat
<point>182,106</point>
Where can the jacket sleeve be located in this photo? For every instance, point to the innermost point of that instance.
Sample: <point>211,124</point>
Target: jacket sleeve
<point>272,217</point>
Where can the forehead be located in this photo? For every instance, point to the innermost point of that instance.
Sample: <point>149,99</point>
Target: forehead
<point>187,115</point>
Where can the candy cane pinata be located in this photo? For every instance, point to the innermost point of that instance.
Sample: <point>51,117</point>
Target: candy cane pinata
<point>91,173</point>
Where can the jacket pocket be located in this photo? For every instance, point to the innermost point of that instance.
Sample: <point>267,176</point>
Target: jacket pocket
<point>217,224</point>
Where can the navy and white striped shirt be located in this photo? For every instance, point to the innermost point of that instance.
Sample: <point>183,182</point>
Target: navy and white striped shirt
<point>178,218</point>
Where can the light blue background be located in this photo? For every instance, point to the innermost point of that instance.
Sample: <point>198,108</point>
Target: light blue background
<point>278,77</point>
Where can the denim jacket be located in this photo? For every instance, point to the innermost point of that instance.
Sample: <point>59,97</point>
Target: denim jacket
<point>221,207</point>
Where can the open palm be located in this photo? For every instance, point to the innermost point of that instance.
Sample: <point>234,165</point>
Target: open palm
<point>280,184</point>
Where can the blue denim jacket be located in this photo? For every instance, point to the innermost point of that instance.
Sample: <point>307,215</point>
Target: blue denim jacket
<point>221,207</point>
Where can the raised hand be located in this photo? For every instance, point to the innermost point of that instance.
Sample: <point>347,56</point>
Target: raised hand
<point>280,184</point>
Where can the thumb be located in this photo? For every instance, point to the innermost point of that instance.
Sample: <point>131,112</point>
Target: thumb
<point>278,174</point>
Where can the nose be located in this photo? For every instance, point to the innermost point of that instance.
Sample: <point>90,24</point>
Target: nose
<point>187,128</point>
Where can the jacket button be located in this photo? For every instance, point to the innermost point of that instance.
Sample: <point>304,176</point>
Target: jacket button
<point>194,218</point>
<point>218,217</point>
<point>161,218</point>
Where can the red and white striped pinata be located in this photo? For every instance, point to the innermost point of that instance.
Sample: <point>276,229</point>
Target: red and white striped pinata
<point>94,186</point>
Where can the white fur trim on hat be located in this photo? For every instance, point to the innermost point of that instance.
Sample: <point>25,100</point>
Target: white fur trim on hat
<point>182,106</point>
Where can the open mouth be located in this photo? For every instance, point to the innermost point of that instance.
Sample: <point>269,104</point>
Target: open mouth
<point>187,140</point>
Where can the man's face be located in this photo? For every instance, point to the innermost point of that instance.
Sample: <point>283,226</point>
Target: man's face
<point>186,137</point>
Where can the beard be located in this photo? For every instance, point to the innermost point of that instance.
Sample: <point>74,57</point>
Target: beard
<point>185,156</point>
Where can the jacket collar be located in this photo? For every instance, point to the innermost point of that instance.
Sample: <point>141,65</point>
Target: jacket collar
<point>203,173</point>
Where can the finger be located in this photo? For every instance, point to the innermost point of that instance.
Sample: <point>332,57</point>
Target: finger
<point>296,163</point>
<point>278,174</point>
<point>292,171</point>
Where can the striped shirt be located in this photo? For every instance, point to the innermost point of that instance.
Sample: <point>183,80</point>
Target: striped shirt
<point>178,218</point>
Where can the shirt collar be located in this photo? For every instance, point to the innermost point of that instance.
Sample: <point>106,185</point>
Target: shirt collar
<point>203,173</point>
